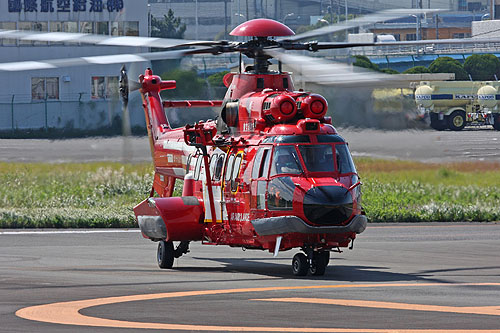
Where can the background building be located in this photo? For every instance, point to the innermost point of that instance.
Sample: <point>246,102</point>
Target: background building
<point>71,97</point>
<point>207,19</point>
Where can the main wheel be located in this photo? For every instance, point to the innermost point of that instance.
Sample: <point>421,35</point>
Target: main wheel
<point>300,264</point>
<point>456,120</point>
<point>437,124</point>
<point>165,254</point>
<point>319,263</point>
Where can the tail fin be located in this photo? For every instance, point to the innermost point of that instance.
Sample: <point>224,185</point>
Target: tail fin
<point>156,121</point>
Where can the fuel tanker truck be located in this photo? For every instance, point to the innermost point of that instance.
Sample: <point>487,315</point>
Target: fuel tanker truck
<point>456,104</point>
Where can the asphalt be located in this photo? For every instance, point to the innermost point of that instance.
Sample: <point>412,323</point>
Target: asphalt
<point>435,276</point>
<point>473,144</point>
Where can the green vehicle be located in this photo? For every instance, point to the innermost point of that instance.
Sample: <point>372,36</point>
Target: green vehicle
<point>456,104</point>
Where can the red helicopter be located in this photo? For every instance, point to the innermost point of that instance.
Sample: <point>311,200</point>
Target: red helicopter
<point>271,173</point>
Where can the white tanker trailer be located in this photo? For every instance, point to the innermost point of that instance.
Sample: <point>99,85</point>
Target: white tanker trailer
<point>456,104</point>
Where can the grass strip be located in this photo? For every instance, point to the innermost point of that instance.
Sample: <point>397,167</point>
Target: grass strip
<point>89,195</point>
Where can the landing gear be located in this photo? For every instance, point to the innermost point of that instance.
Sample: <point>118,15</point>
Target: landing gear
<point>315,263</point>
<point>166,253</point>
<point>300,265</point>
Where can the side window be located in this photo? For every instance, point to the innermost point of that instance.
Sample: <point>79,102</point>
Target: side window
<point>218,167</point>
<point>188,163</point>
<point>257,163</point>
<point>261,194</point>
<point>344,160</point>
<point>197,167</point>
<point>264,167</point>
<point>236,169</point>
<point>229,167</point>
<point>213,163</point>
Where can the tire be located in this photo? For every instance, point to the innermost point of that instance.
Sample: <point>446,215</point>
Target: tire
<point>496,122</point>
<point>437,124</point>
<point>319,263</point>
<point>456,120</point>
<point>300,265</point>
<point>165,254</point>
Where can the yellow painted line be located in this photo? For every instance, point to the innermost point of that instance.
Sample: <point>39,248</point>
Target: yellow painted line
<point>480,310</point>
<point>68,313</point>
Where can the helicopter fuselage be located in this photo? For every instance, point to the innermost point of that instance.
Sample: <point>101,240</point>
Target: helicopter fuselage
<point>264,176</point>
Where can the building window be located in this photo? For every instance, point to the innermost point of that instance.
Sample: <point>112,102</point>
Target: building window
<point>461,35</point>
<point>411,36</point>
<point>129,28</point>
<point>104,87</point>
<point>44,88</point>
<point>8,26</point>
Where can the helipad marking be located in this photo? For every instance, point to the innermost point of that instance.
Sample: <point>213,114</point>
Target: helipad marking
<point>67,313</point>
<point>481,310</point>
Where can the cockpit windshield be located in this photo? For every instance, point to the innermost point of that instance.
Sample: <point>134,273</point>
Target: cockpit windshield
<point>315,157</point>
<point>285,160</point>
<point>318,158</point>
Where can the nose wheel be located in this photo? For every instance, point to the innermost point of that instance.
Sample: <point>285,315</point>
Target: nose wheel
<point>314,264</point>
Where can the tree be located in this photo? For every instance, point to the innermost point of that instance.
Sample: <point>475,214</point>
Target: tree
<point>362,61</point>
<point>168,27</point>
<point>417,70</point>
<point>216,80</point>
<point>482,67</point>
<point>449,65</point>
<point>189,85</point>
<point>389,71</point>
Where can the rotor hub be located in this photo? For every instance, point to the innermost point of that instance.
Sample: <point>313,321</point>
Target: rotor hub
<point>262,28</point>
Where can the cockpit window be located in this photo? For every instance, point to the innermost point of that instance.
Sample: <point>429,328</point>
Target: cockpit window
<point>293,139</point>
<point>285,160</point>
<point>345,163</point>
<point>318,158</point>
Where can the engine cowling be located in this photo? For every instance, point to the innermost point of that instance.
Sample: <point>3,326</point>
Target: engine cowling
<point>312,106</point>
<point>279,108</point>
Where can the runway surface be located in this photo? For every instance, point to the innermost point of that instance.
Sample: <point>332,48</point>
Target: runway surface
<point>426,146</point>
<point>434,277</point>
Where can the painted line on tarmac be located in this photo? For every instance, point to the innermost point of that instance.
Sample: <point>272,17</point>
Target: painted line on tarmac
<point>68,313</point>
<point>51,232</point>
<point>478,310</point>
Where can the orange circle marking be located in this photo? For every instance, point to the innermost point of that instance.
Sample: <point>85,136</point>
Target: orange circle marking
<point>68,313</point>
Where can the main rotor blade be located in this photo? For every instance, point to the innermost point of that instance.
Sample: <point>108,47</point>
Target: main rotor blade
<point>135,41</point>
<point>98,60</point>
<point>381,16</point>
<point>323,72</point>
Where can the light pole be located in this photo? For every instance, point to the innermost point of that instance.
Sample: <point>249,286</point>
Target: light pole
<point>149,20</point>
<point>287,15</point>
<point>417,28</point>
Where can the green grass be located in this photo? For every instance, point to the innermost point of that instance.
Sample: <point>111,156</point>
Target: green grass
<point>103,194</point>
<point>402,191</point>
<point>71,195</point>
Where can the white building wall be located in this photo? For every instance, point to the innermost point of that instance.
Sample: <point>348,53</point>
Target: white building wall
<point>486,29</point>
<point>75,107</point>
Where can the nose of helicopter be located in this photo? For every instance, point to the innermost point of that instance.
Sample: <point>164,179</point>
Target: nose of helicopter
<point>328,205</point>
